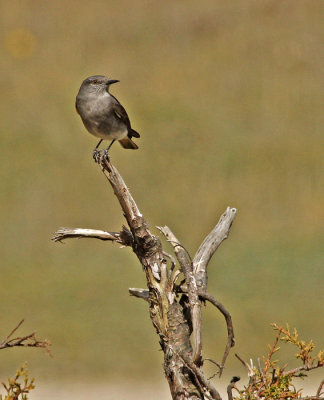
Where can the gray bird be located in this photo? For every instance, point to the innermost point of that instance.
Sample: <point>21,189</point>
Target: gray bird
<point>102,114</point>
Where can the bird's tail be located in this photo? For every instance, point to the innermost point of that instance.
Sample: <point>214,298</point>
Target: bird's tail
<point>133,133</point>
<point>127,143</point>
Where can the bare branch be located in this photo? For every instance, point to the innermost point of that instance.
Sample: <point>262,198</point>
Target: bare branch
<point>319,390</point>
<point>214,362</point>
<point>140,293</point>
<point>171,258</point>
<point>230,331</point>
<point>143,239</point>
<point>210,245</point>
<point>192,293</point>
<point>201,378</point>
<point>12,332</point>
<point>25,341</point>
<point>246,365</point>
<point>231,386</point>
<point>68,233</point>
<point>302,368</point>
<point>131,212</point>
<point>176,320</point>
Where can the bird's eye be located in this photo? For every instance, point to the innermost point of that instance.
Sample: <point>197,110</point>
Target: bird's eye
<point>95,81</point>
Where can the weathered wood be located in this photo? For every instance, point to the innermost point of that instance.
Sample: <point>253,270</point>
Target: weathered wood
<point>230,330</point>
<point>140,293</point>
<point>29,340</point>
<point>210,245</point>
<point>67,233</point>
<point>192,292</point>
<point>167,315</point>
<point>175,312</point>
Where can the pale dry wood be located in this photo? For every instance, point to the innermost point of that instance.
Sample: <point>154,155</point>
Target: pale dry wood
<point>67,233</point>
<point>140,293</point>
<point>166,315</point>
<point>302,368</point>
<point>205,383</point>
<point>192,291</point>
<point>231,386</point>
<point>249,368</point>
<point>228,319</point>
<point>129,207</point>
<point>210,245</point>
<point>169,301</point>
<point>169,310</point>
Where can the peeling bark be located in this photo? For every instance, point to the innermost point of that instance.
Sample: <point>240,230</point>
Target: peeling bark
<point>175,308</point>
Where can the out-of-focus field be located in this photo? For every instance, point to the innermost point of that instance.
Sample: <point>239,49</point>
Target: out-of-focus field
<point>116,390</point>
<point>228,99</point>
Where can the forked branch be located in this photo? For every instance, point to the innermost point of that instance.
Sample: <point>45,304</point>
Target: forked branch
<point>192,291</point>
<point>175,309</point>
<point>29,340</point>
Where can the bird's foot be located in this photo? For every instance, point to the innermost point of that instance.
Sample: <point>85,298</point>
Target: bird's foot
<point>96,155</point>
<point>100,155</point>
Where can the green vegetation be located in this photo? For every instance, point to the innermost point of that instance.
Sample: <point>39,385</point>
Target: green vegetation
<point>18,387</point>
<point>271,381</point>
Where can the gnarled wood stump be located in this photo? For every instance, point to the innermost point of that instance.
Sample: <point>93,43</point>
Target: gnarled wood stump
<point>175,289</point>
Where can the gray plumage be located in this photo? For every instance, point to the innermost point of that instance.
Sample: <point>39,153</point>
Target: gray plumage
<point>102,114</point>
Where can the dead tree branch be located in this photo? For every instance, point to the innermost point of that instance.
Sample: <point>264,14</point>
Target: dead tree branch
<point>140,293</point>
<point>210,245</point>
<point>25,341</point>
<point>319,390</point>
<point>230,331</point>
<point>231,386</point>
<point>175,307</point>
<point>192,291</point>
<point>305,368</point>
<point>176,314</point>
<point>68,233</point>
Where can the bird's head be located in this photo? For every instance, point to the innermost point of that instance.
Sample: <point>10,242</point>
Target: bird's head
<point>97,84</point>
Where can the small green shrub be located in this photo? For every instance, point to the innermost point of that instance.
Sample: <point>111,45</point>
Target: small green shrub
<point>270,381</point>
<point>19,387</point>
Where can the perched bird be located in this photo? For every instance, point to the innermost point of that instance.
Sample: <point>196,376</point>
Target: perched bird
<point>102,114</point>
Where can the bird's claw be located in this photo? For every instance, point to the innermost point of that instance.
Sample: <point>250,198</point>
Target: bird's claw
<point>96,155</point>
<point>100,155</point>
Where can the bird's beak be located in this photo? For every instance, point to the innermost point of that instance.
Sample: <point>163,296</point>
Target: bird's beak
<point>111,81</point>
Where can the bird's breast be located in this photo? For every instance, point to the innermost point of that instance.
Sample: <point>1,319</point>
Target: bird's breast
<point>98,117</point>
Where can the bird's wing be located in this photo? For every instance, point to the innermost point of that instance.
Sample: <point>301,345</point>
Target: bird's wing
<point>76,107</point>
<point>121,114</point>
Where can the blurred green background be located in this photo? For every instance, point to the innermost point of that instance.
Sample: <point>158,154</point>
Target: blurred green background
<point>228,99</point>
